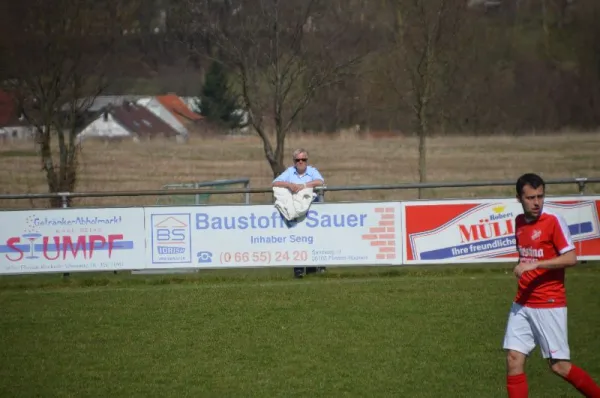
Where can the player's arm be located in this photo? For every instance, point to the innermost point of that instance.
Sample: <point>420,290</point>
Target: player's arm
<point>565,260</point>
<point>561,238</point>
<point>520,267</point>
<point>517,240</point>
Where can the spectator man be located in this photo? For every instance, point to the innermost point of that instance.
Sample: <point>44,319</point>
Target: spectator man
<point>295,178</point>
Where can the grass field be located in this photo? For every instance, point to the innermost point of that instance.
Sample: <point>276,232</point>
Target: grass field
<point>342,159</point>
<point>402,332</point>
<point>408,332</point>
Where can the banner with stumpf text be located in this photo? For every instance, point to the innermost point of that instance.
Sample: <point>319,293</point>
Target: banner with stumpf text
<point>65,240</point>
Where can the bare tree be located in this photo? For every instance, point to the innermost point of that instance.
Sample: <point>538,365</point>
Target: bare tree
<point>60,57</point>
<point>425,33</point>
<point>280,52</point>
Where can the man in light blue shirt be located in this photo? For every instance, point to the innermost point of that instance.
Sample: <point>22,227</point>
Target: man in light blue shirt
<point>295,178</point>
<point>300,175</point>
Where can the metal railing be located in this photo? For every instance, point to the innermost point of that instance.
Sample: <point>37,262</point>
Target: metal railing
<point>204,184</point>
<point>579,182</point>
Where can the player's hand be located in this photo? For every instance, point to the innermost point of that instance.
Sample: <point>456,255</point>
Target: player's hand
<point>521,268</point>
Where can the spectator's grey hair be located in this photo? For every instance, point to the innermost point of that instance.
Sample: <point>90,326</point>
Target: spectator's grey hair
<point>298,152</point>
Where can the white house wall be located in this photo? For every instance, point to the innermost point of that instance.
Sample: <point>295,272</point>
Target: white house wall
<point>191,102</point>
<point>159,110</point>
<point>17,132</point>
<point>101,128</point>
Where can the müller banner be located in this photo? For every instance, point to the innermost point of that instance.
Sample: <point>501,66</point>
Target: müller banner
<point>480,231</point>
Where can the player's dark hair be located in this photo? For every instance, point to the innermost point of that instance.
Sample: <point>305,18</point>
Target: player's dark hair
<point>529,179</point>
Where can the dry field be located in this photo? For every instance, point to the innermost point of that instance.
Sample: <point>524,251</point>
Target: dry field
<point>342,159</point>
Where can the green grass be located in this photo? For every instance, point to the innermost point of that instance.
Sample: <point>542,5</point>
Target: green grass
<point>402,332</point>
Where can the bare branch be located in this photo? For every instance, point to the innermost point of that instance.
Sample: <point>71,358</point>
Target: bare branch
<point>59,63</point>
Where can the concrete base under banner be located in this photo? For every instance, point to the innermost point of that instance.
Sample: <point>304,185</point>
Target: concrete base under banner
<point>165,271</point>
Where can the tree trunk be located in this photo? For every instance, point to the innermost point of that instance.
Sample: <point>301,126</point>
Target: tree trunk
<point>422,152</point>
<point>277,169</point>
<point>422,129</point>
<point>279,166</point>
<point>66,178</point>
<point>66,184</point>
<point>275,159</point>
<point>423,115</point>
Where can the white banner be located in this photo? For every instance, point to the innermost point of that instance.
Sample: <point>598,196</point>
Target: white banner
<point>332,234</point>
<point>257,236</point>
<point>482,230</point>
<point>71,240</point>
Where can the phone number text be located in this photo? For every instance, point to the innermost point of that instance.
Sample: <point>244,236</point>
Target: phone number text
<point>264,257</point>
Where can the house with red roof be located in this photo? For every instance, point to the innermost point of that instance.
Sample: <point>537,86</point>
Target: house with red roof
<point>12,124</point>
<point>173,110</point>
<point>129,121</point>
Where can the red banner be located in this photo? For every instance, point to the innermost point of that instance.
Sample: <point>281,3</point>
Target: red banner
<point>463,231</point>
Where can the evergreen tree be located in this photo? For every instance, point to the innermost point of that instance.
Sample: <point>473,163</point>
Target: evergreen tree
<point>217,103</point>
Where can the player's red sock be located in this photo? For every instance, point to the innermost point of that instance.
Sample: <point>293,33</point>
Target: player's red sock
<point>517,386</point>
<point>583,382</point>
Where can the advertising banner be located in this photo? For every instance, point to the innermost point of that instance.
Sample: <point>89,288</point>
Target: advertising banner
<point>65,240</point>
<point>238,236</point>
<point>463,231</point>
<point>258,236</point>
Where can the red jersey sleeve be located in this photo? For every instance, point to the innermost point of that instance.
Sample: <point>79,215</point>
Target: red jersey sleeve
<point>516,227</point>
<point>561,237</point>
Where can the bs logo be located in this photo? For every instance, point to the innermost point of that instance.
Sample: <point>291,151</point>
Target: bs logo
<point>171,238</point>
<point>171,234</point>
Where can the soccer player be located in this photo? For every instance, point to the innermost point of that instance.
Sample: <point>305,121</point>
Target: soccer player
<point>538,315</point>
